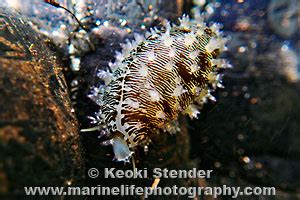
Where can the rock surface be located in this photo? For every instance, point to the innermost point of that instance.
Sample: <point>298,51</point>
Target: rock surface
<point>39,135</point>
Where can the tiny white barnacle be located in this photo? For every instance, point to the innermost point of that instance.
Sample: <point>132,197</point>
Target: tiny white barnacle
<point>75,63</point>
<point>154,79</point>
<point>72,49</point>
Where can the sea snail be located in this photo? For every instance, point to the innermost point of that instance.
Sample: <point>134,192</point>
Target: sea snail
<point>154,79</point>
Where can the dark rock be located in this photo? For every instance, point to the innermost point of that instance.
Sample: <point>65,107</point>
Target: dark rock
<point>39,137</point>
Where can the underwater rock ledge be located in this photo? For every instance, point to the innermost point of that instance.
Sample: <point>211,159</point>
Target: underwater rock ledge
<point>39,135</point>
